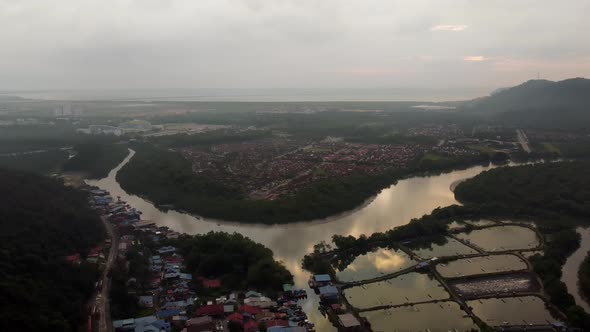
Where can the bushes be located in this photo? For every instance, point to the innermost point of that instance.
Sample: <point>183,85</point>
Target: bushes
<point>96,159</point>
<point>240,262</point>
<point>552,188</point>
<point>40,222</point>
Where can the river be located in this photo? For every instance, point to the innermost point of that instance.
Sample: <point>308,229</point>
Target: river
<point>570,269</point>
<point>394,206</point>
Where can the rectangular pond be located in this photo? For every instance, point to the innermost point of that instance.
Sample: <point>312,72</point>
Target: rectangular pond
<point>411,287</point>
<point>374,264</point>
<point>495,285</point>
<point>512,311</point>
<point>481,265</point>
<point>434,317</point>
<point>481,222</point>
<point>502,238</point>
<point>438,247</point>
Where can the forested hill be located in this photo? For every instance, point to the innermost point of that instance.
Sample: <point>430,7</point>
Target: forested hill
<point>41,221</point>
<point>560,189</point>
<point>570,94</point>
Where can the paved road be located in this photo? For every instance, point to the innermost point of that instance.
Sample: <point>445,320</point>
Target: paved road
<point>105,324</point>
<point>523,140</point>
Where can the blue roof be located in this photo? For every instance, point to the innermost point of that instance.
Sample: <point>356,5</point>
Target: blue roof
<point>322,277</point>
<point>162,325</point>
<point>168,313</point>
<point>328,290</point>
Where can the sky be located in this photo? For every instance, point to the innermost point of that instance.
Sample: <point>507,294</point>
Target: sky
<point>157,44</point>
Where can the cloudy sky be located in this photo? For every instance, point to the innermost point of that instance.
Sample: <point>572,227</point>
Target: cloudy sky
<point>289,43</point>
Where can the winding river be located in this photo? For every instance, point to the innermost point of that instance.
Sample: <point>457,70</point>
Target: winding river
<point>394,206</point>
<point>570,269</point>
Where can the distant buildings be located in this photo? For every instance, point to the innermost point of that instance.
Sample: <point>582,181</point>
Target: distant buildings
<point>133,126</point>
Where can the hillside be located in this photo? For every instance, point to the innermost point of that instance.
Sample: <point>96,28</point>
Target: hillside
<point>570,94</point>
<point>41,221</point>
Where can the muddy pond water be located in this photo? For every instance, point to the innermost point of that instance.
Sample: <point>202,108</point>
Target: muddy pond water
<point>374,264</point>
<point>502,238</point>
<point>411,287</point>
<point>434,317</point>
<point>496,312</point>
<point>481,265</point>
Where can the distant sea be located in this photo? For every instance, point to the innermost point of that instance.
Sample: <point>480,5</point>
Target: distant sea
<point>260,95</point>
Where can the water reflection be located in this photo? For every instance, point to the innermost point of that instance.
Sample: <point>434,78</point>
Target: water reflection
<point>394,206</point>
<point>480,265</point>
<point>411,287</point>
<point>433,317</point>
<point>496,312</point>
<point>502,238</point>
<point>440,246</point>
<point>376,263</point>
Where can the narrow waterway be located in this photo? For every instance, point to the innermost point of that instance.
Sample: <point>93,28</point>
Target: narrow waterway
<point>569,273</point>
<point>394,206</point>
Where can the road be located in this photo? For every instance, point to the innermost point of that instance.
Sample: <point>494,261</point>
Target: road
<point>523,140</point>
<point>102,300</point>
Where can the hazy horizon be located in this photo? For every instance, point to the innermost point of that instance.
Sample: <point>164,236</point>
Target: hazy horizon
<point>255,94</point>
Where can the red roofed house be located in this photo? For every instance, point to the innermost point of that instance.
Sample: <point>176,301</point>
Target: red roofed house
<point>200,324</point>
<point>211,283</point>
<point>95,252</point>
<point>273,323</point>
<point>210,310</point>
<point>249,309</point>
<point>73,259</point>
<point>235,317</point>
<point>250,326</point>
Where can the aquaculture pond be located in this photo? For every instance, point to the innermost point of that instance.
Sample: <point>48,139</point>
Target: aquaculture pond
<point>411,287</point>
<point>374,264</point>
<point>512,311</point>
<point>495,285</point>
<point>481,265</point>
<point>440,246</point>
<point>434,317</point>
<point>481,222</point>
<point>529,254</point>
<point>502,238</point>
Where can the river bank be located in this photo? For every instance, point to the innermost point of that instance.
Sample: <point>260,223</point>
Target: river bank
<point>394,206</point>
<point>572,266</point>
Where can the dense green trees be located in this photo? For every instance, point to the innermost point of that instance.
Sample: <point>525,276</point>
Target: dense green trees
<point>239,262</point>
<point>550,188</point>
<point>41,222</point>
<point>584,277</point>
<point>47,162</point>
<point>95,159</point>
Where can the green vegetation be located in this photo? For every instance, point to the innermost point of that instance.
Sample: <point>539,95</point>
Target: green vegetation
<point>46,162</point>
<point>551,148</point>
<point>239,262</point>
<point>584,277</point>
<point>96,160</point>
<point>434,162</point>
<point>550,189</point>
<point>41,222</point>
<point>28,138</point>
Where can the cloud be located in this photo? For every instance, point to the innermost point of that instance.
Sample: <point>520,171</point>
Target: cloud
<point>449,27</point>
<point>475,58</point>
